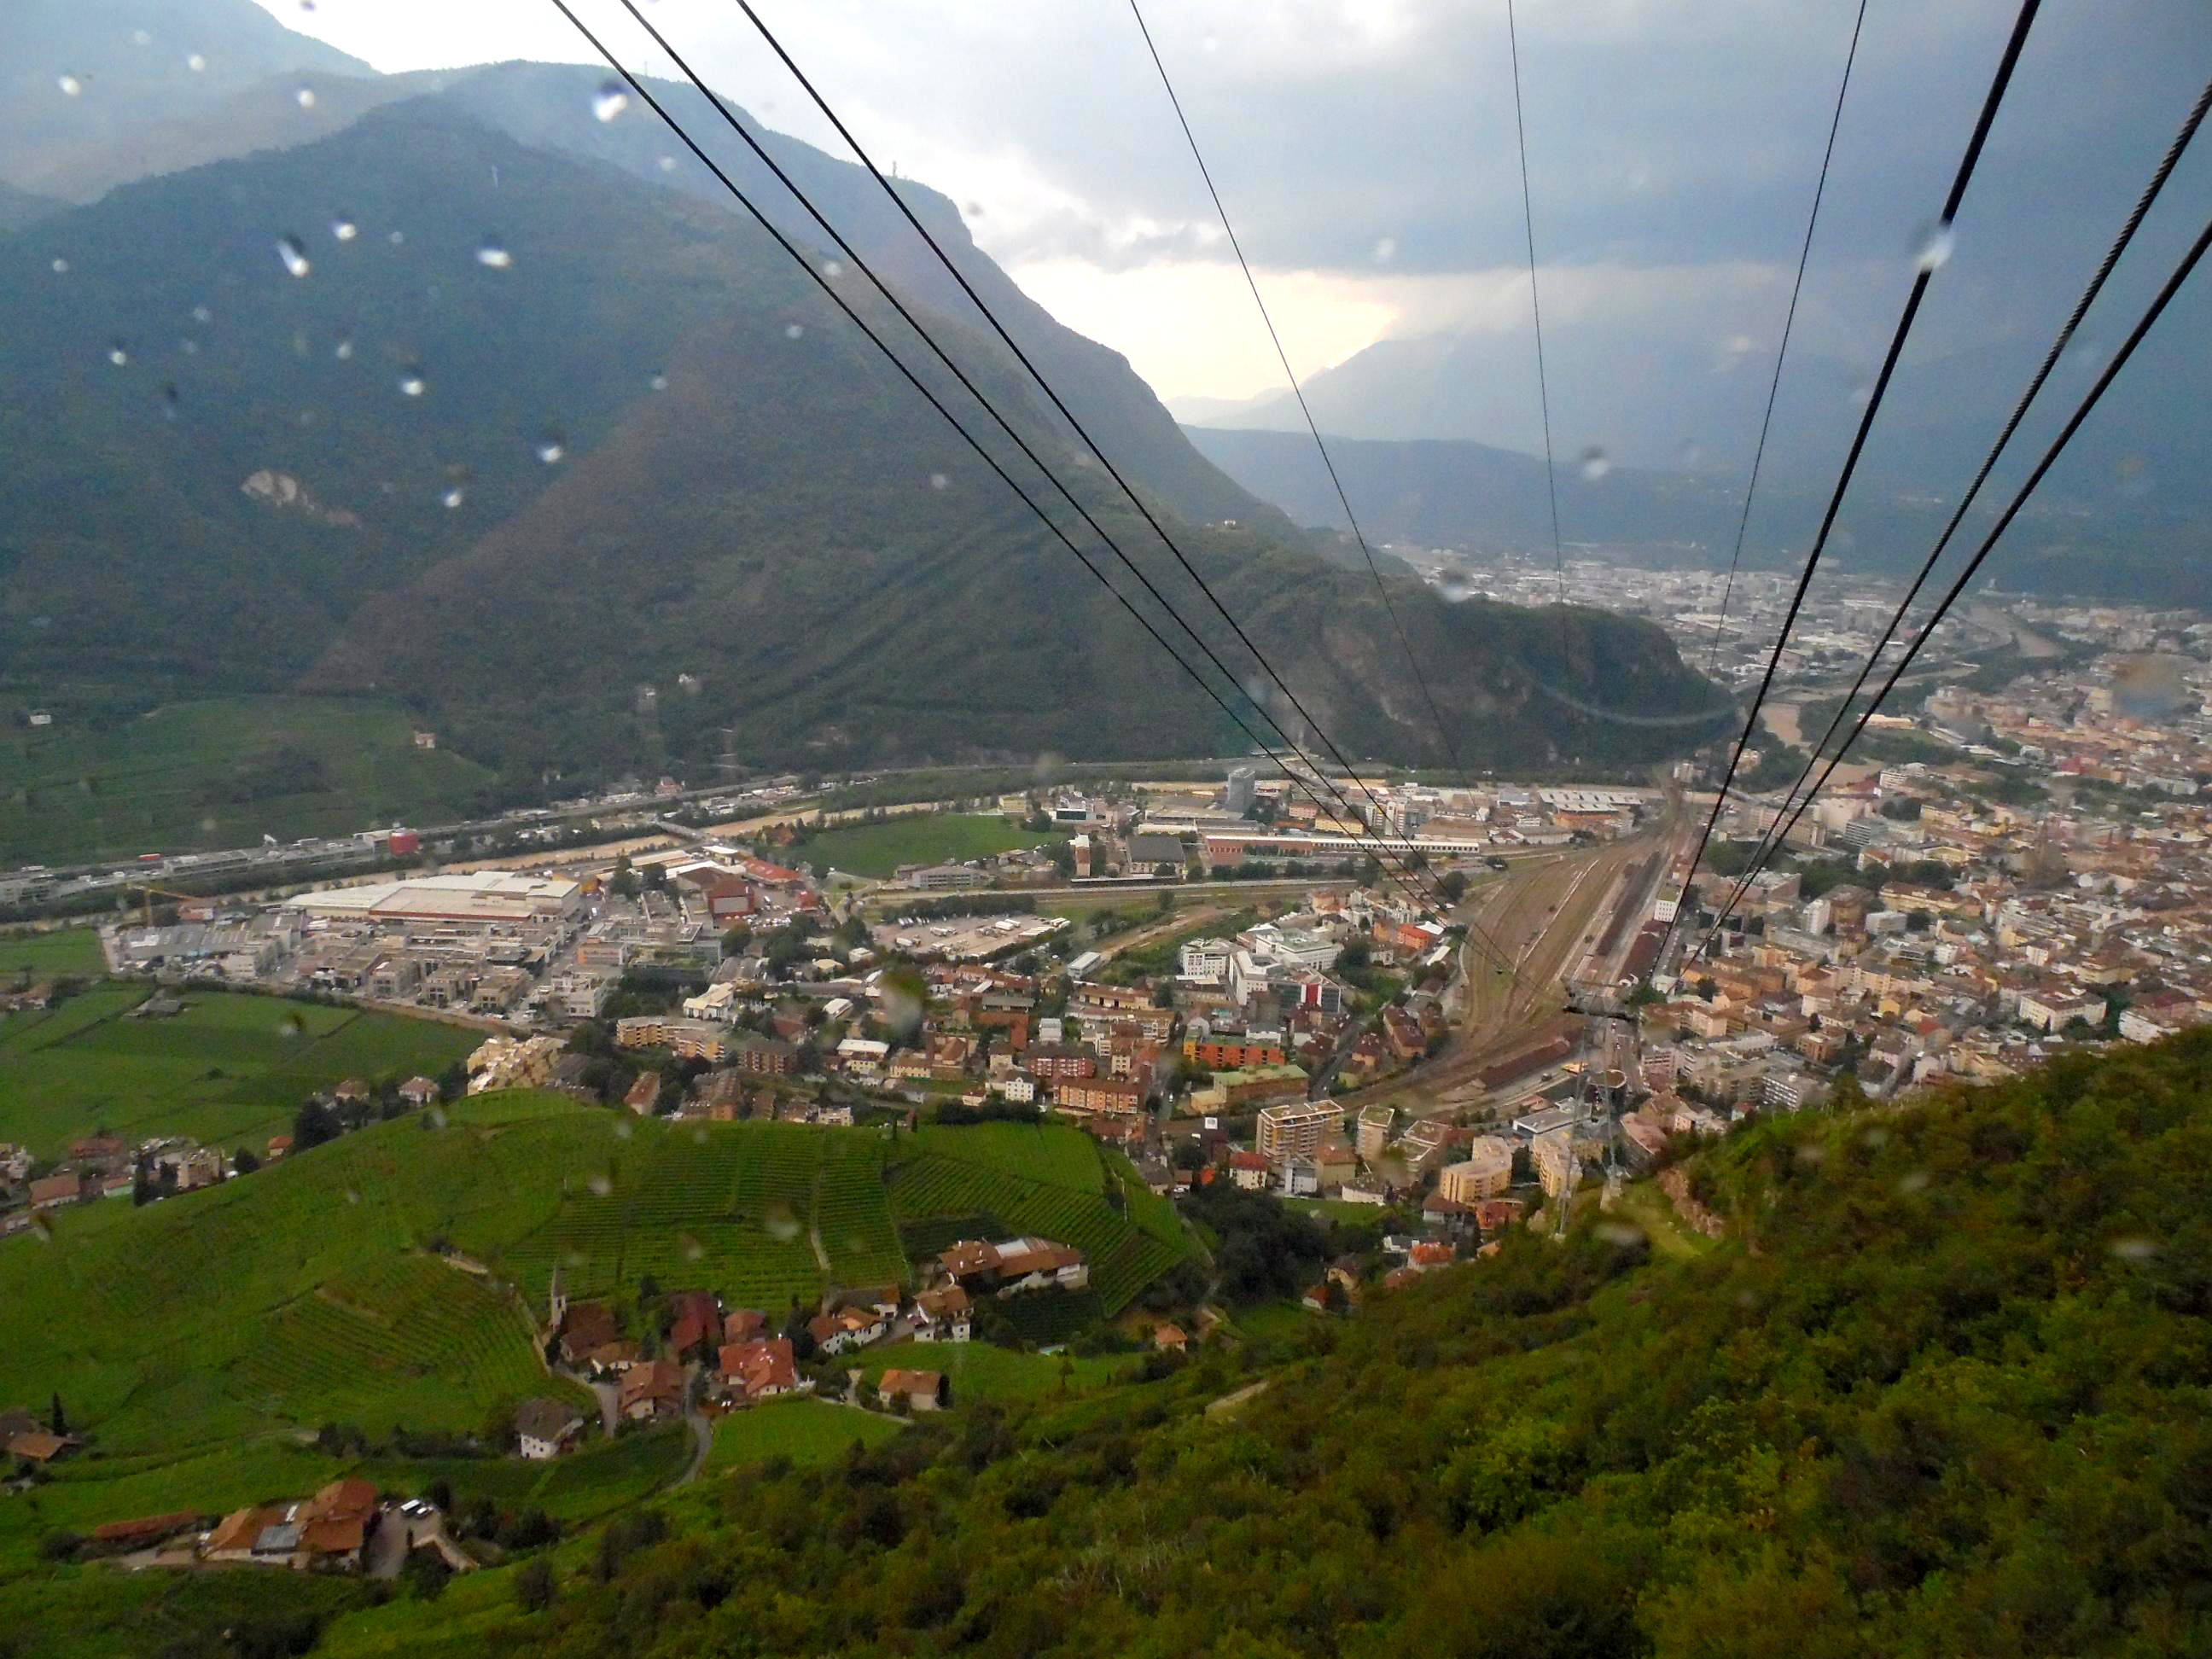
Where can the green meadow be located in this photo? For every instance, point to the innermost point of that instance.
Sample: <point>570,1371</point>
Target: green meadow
<point>230,1069</point>
<point>387,1280</point>
<point>879,848</point>
<point>219,773</point>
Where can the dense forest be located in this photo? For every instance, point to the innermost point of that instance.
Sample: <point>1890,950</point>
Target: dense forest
<point>1942,1391</point>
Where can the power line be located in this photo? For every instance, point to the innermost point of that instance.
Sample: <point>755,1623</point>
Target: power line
<point>1998,83</point>
<point>1535,304</point>
<point>1444,731</point>
<point>823,283</point>
<point>1782,351</point>
<point>928,339</point>
<point>1778,833</point>
<point>2142,327</point>
<point>1044,386</point>
<point>1291,376</point>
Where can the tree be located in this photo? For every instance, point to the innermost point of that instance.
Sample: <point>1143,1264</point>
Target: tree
<point>313,1125</point>
<point>244,1162</point>
<point>1453,885</point>
<point>56,1419</point>
<point>535,1587</point>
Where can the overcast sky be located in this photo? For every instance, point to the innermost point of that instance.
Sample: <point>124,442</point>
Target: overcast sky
<point>1366,150</point>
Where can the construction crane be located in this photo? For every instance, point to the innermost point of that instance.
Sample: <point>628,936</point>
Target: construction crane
<point>151,892</point>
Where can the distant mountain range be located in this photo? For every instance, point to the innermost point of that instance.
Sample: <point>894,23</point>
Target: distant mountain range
<point>436,388</point>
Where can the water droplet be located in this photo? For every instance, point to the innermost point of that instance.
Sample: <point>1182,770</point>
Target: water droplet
<point>201,314</point>
<point>1620,1233</point>
<point>305,97</point>
<point>294,254</point>
<point>939,481</point>
<point>610,101</point>
<point>453,497</point>
<point>1209,43</point>
<point>1913,1181</point>
<point>140,38</point>
<point>667,164</point>
<point>551,447</point>
<point>116,353</point>
<point>1594,464</point>
<point>353,1195</point>
<point>2135,478</point>
<point>1932,247</point>
<point>61,267</point>
<point>196,63</point>
<point>413,385</point>
<point>658,383</point>
<point>1386,250</point>
<point>832,269</point>
<point>1691,453</point>
<point>437,1116</point>
<point>344,229</point>
<point>189,348</point>
<point>343,351</point>
<point>972,209</point>
<point>493,257</point>
<point>600,1185</point>
<point>2135,1249</point>
<point>71,86</point>
<point>397,238</point>
<point>693,1250</point>
<point>793,331</point>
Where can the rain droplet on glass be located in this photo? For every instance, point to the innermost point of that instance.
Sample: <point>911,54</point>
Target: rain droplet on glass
<point>305,97</point>
<point>551,447</point>
<point>939,481</point>
<point>117,355</point>
<point>1386,250</point>
<point>61,267</point>
<point>1594,464</point>
<point>344,230</point>
<point>453,497</point>
<point>201,314</point>
<point>343,351</point>
<point>413,385</point>
<point>493,257</point>
<point>1932,247</point>
<point>294,254</point>
<point>141,38</point>
<point>658,383</point>
<point>831,269</point>
<point>793,331</point>
<point>71,86</point>
<point>196,63</point>
<point>667,164</point>
<point>397,238</point>
<point>610,101</point>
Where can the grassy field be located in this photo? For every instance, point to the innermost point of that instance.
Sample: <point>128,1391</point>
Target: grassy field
<point>222,773</point>
<point>229,1322</point>
<point>979,1372</point>
<point>231,1070</point>
<point>65,950</point>
<point>879,849</point>
<point>1642,1204</point>
<point>806,1433</point>
<point>1047,1181</point>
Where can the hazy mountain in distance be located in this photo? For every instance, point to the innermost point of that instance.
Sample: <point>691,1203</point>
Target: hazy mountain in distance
<point>19,208</point>
<point>92,91</point>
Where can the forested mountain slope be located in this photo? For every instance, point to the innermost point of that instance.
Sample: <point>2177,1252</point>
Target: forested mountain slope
<point>1942,1391</point>
<point>524,438</point>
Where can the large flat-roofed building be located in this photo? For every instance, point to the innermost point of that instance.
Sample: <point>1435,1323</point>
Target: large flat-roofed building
<point>488,897</point>
<point>1486,1172</point>
<point>1295,1130</point>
